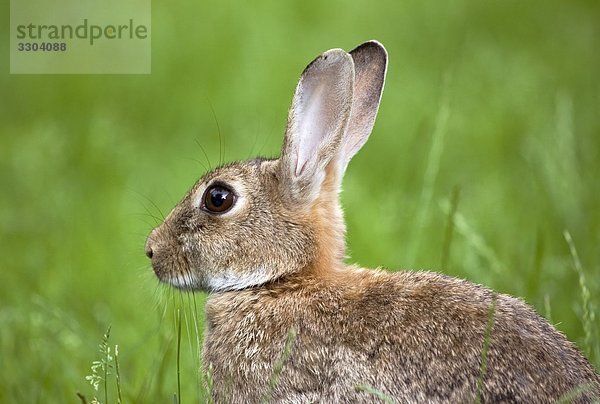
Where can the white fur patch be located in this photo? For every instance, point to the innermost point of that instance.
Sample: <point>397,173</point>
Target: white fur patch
<point>229,280</point>
<point>185,282</point>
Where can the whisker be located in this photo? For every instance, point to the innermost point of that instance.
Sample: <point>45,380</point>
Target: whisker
<point>221,145</point>
<point>205,156</point>
<point>251,153</point>
<point>267,139</point>
<point>152,203</point>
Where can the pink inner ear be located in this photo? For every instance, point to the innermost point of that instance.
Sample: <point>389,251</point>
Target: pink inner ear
<point>319,113</point>
<point>313,126</point>
<point>299,169</point>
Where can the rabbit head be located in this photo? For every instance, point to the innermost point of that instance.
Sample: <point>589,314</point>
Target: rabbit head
<point>252,222</point>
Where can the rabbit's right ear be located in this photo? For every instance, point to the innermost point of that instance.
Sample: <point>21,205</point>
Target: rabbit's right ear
<point>370,65</point>
<point>317,120</point>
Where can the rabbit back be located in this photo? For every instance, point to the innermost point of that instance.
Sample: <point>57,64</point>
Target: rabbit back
<point>414,336</point>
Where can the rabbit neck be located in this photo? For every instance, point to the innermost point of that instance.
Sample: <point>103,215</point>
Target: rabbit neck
<point>327,220</point>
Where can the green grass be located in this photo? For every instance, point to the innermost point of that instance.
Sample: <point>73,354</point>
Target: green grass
<point>278,366</point>
<point>497,99</point>
<point>486,347</point>
<point>375,393</point>
<point>103,369</point>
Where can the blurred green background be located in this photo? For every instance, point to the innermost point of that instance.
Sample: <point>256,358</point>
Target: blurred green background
<point>490,117</point>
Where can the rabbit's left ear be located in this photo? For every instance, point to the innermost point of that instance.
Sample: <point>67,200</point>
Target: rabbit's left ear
<point>316,124</point>
<point>370,65</point>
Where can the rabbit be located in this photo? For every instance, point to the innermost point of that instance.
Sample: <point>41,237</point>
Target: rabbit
<point>287,320</point>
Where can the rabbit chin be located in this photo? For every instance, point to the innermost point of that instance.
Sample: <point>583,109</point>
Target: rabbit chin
<point>186,282</point>
<point>230,280</point>
<point>219,282</point>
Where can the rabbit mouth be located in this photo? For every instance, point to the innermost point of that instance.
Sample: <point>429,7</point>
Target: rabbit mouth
<point>186,282</point>
<point>175,271</point>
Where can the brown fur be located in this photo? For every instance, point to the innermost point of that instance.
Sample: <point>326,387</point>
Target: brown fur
<point>275,263</point>
<point>415,336</point>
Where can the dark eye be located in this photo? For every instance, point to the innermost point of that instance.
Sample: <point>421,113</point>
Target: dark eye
<point>218,199</point>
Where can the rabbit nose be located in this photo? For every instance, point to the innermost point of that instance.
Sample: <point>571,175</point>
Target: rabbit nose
<point>149,252</point>
<point>149,247</point>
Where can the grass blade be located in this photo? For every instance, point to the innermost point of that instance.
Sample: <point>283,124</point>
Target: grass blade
<point>374,392</point>
<point>588,311</point>
<point>487,338</point>
<point>278,367</point>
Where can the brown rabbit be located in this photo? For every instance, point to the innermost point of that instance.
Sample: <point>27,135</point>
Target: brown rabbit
<point>266,239</point>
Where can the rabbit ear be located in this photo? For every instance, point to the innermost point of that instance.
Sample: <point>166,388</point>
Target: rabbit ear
<point>370,65</point>
<point>317,120</point>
